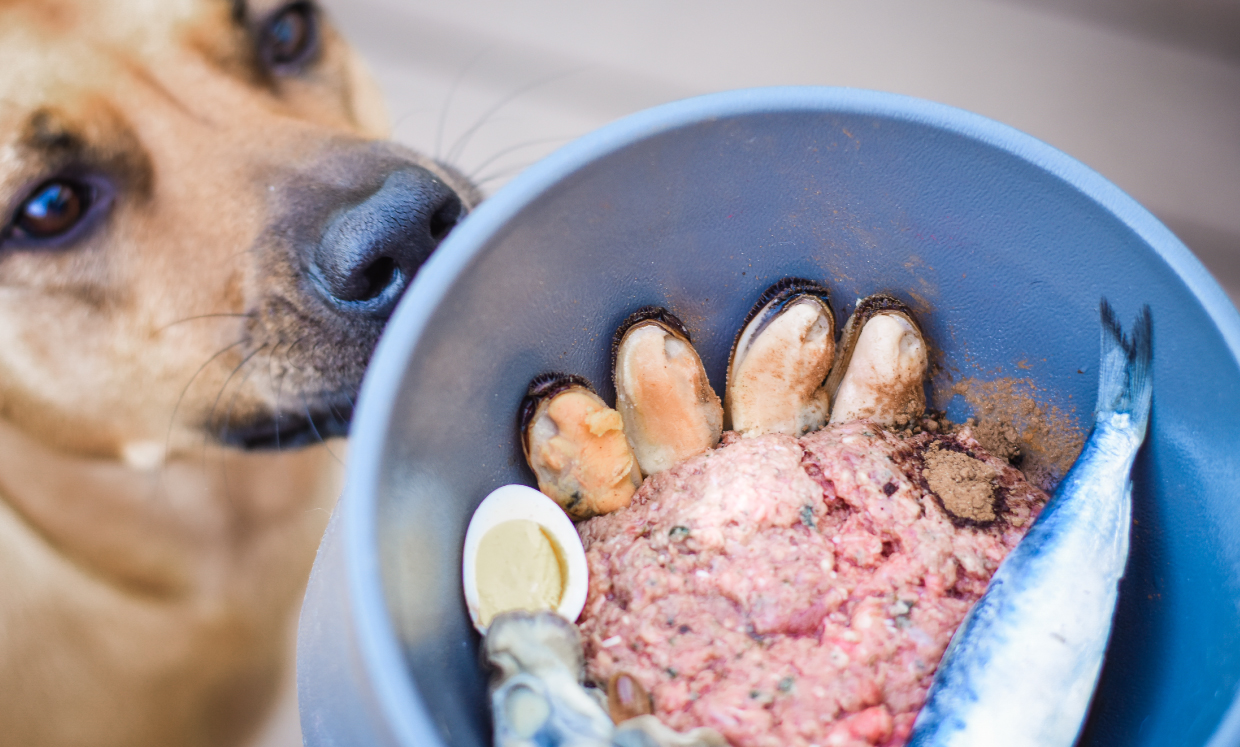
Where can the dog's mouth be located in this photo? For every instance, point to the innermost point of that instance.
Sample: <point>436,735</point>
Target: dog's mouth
<point>289,429</point>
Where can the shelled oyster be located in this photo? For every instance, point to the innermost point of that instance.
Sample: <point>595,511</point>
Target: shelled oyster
<point>538,698</point>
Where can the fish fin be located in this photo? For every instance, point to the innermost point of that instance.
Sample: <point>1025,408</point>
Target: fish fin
<point>1124,377</point>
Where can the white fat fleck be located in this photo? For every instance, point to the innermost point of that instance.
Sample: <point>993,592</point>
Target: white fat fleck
<point>144,455</point>
<point>615,640</point>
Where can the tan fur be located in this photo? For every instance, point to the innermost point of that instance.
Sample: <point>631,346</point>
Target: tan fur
<point>148,574</point>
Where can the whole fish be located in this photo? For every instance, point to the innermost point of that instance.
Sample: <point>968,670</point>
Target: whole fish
<point>1022,667</point>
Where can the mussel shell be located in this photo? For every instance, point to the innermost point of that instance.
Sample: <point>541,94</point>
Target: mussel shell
<point>647,314</point>
<point>785,292</point>
<point>544,387</point>
<point>779,297</point>
<point>867,309</point>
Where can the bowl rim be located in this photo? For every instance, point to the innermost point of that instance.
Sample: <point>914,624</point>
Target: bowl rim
<point>382,658</point>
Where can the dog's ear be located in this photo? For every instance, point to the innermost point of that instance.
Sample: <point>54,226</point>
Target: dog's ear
<point>366,99</point>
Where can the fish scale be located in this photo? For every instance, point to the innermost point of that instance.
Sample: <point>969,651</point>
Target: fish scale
<point>1022,667</point>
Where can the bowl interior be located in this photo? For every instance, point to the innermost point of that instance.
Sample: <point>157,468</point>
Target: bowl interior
<point>1003,245</point>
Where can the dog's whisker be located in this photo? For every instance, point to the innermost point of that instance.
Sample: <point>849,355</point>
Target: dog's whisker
<point>279,387</point>
<point>211,413</point>
<point>232,402</point>
<point>520,146</point>
<point>206,437</point>
<point>402,119</point>
<point>173,418</point>
<point>288,354</point>
<point>447,104</point>
<point>462,142</point>
<point>202,316</point>
<point>502,173</point>
<point>331,407</point>
<point>315,429</point>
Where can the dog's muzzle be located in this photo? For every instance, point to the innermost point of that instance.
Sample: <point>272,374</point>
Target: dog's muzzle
<point>353,263</point>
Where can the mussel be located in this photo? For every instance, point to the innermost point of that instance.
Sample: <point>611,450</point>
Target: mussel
<point>670,411</point>
<point>780,362</point>
<point>576,446</point>
<point>879,372</point>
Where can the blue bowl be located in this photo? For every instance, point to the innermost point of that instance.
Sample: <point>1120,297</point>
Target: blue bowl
<point>699,206</point>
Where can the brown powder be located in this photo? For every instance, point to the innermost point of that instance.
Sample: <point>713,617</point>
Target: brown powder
<point>964,484</point>
<point>998,438</point>
<point>1049,438</point>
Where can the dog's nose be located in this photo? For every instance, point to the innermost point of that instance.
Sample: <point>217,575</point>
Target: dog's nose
<point>370,252</point>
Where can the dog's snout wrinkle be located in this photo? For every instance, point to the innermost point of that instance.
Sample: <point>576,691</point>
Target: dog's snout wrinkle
<point>370,252</point>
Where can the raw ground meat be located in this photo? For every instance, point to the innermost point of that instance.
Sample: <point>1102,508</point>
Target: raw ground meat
<point>794,592</point>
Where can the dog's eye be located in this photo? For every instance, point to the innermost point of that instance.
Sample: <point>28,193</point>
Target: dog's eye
<point>52,209</point>
<point>291,36</point>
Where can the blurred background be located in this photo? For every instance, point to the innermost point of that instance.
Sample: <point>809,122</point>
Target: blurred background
<point>1146,92</point>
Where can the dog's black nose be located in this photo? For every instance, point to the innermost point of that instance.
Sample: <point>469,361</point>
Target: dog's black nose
<point>370,252</point>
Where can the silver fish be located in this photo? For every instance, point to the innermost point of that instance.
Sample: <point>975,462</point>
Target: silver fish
<point>1022,667</point>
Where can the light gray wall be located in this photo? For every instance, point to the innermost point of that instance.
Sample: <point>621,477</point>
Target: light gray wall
<point>1147,92</point>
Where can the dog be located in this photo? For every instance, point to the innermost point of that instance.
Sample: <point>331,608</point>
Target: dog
<point>202,235</point>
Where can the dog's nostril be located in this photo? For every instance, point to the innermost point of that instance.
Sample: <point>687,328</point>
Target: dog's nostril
<point>378,276</point>
<point>445,219</point>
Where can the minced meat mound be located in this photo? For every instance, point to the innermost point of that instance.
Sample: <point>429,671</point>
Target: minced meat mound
<point>794,592</point>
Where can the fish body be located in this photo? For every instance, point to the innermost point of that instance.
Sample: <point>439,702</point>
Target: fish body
<point>1022,667</point>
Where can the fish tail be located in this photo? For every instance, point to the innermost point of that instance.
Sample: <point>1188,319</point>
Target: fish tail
<point>1124,381</point>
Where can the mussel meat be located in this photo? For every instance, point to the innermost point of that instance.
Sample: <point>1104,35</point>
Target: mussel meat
<point>670,411</point>
<point>879,373</point>
<point>780,362</point>
<point>576,446</point>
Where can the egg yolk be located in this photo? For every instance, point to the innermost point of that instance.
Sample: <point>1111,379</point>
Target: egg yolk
<point>518,567</point>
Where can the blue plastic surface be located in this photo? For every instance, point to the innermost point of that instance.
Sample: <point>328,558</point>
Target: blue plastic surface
<point>1002,242</point>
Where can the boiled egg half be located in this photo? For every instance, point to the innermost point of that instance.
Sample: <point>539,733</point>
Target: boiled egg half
<point>522,552</point>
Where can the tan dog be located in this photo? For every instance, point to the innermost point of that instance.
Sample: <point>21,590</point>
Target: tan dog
<point>200,241</point>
